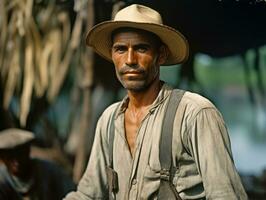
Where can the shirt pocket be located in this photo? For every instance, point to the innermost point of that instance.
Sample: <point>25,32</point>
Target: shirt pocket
<point>151,183</point>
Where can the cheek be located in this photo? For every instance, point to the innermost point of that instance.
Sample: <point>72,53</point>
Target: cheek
<point>154,68</point>
<point>117,66</point>
<point>155,71</point>
<point>146,60</point>
<point>117,60</point>
<point>150,62</point>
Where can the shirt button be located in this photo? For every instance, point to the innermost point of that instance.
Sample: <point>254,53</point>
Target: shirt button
<point>134,181</point>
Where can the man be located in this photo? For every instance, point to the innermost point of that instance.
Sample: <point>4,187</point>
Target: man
<point>127,159</point>
<point>26,178</point>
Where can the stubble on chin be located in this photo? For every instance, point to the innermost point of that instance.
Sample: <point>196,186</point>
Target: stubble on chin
<point>135,86</point>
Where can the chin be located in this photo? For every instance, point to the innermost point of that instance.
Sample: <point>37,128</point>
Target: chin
<point>136,87</point>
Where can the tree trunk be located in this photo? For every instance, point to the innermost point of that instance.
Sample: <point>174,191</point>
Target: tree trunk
<point>87,60</point>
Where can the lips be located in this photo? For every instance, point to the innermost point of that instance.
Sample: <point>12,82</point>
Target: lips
<point>132,72</point>
<point>136,69</point>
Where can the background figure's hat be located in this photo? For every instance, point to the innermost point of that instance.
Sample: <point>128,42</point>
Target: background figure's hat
<point>13,137</point>
<point>139,17</point>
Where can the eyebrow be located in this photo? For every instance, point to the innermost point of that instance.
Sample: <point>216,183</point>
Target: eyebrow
<point>118,45</point>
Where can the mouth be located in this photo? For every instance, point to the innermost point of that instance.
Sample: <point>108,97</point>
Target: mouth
<point>132,73</point>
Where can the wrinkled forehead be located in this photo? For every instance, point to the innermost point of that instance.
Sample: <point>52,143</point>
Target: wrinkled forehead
<point>150,37</point>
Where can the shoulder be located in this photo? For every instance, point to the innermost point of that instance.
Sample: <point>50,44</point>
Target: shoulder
<point>110,109</point>
<point>108,112</point>
<point>193,105</point>
<point>196,101</point>
<point>105,120</point>
<point>198,115</point>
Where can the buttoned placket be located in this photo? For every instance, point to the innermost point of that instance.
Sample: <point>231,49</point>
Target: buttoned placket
<point>132,193</point>
<point>133,182</point>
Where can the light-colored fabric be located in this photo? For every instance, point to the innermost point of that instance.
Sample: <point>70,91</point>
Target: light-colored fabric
<point>201,154</point>
<point>13,137</point>
<point>139,17</point>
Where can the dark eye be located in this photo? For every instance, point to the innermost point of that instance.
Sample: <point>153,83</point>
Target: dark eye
<point>119,49</point>
<point>142,48</point>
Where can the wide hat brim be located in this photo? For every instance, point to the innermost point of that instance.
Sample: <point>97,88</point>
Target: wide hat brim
<point>99,37</point>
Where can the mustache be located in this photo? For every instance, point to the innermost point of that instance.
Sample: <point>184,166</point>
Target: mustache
<point>129,69</point>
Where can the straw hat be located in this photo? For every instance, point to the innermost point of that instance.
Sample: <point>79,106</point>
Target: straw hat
<point>140,17</point>
<point>12,138</point>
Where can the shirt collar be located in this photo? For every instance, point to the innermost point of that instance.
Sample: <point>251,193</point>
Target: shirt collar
<point>163,94</point>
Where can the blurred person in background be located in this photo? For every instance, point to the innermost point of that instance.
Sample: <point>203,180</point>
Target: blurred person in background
<point>25,178</point>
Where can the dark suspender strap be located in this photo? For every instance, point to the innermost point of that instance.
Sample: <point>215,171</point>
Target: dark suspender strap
<point>165,148</point>
<point>111,137</point>
<point>112,178</point>
<point>167,129</point>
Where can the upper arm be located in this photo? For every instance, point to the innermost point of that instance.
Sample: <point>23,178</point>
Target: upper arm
<point>210,147</point>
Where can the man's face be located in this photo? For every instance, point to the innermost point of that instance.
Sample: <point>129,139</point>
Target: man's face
<point>137,58</point>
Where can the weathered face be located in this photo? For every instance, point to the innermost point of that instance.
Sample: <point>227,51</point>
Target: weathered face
<point>137,56</point>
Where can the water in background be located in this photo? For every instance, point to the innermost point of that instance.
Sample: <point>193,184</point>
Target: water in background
<point>223,82</point>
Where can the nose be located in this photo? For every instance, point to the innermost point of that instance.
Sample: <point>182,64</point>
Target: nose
<point>131,58</point>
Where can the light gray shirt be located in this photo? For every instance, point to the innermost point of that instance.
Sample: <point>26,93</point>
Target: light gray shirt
<point>201,154</point>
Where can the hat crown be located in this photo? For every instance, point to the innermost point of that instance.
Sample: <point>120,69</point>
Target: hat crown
<point>139,13</point>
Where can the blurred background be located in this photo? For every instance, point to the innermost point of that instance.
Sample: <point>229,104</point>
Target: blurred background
<point>53,85</point>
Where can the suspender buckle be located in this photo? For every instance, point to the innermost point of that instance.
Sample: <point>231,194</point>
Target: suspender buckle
<point>112,179</point>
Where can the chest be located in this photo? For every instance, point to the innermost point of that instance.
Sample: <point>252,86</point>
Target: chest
<point>132,123</point>
<point>143,169</point>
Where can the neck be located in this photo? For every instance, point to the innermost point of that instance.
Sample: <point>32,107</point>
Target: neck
<point>143,99</point>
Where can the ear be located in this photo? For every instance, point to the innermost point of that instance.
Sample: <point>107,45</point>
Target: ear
<point>163,54</point>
